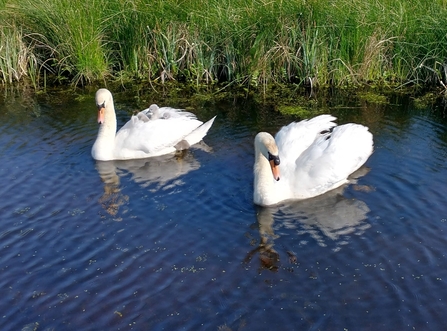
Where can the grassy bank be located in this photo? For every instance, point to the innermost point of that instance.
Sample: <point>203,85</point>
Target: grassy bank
<point>253,43</point>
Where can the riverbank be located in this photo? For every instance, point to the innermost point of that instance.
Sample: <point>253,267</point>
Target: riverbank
<point>233,42</point>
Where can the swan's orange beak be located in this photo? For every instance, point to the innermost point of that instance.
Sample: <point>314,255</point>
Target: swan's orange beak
<point>101,111</point>
<point>275,169</point>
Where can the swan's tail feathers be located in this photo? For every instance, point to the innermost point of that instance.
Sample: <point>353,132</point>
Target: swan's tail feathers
<point>197,135</point>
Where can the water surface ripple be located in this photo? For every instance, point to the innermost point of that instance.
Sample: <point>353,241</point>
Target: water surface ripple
<point>175,243</point>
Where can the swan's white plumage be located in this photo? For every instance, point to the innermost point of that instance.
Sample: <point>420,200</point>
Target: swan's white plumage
<point>315,155</point>
<point>141,136</point>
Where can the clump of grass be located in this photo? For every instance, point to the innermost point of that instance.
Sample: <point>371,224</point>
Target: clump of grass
<point>15,56</point>
<point>70,33</point>
<point>7,60</point>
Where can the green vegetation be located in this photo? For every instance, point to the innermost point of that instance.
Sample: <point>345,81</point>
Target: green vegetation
<point>251,43</point>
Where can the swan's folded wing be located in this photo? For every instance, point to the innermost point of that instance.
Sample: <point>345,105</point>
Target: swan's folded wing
<point>328,162</point>
<point>349,147</point>
<point>153,137</point>
<point>295,138</point>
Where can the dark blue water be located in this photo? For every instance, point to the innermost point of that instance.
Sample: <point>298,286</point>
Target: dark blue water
<point>175,243</point>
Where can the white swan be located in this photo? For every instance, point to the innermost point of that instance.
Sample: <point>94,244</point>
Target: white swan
<point>314,156</point>
<point>142,137</point>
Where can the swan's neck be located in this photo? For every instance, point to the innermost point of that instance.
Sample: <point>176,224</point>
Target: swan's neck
<point>105,141</point>
<point>264,185</point>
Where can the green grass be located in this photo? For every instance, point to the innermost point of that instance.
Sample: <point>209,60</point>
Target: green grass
<point>252,43</point>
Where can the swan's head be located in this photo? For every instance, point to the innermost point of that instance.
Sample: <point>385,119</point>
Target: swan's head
<point>266,146</point>
<point>103,99</point>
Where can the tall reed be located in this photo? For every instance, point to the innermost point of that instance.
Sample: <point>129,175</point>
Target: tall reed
<point>256,42</point>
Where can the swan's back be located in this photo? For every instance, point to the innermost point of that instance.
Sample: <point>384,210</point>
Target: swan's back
<point>153,137</point>
<point>154,113</point>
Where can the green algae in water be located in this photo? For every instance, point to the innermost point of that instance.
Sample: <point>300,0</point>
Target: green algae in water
<point>425,101</point>
<point>373,98</point>
<point>298,111</point>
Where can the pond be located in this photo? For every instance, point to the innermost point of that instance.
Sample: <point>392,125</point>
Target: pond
<point>175,243</point>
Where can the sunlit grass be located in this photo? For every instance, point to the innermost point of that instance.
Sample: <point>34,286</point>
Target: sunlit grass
<point>257,42</point>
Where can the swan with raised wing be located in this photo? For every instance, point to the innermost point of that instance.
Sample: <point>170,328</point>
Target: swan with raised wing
<point>307,158</point>
<point>143,136</point>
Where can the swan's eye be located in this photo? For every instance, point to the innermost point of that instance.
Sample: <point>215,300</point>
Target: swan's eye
<point>274,158</point>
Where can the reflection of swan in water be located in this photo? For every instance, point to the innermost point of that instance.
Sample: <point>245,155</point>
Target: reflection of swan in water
<point>268,256</point>
<point>164,172</point>
<point>112,198</point>
<point>329,217</point>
